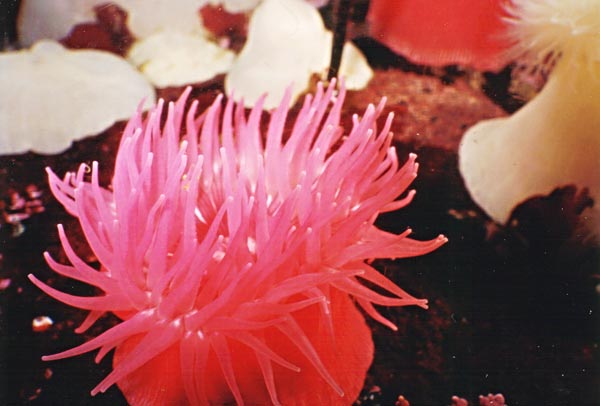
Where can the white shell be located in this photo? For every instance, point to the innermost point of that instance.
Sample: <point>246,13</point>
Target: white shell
<point>553,141</point>
<point>288,43</point>
<point>52,96</point>
<point>172,58</point>
<point>44,19</point>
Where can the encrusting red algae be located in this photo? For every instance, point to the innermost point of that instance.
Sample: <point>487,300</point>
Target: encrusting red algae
<point>235,265</point>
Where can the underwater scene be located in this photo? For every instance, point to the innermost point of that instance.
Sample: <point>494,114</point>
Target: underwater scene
<point>300,202</point>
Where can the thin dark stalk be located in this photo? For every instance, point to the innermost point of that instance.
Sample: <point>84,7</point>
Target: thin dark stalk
<point>341,12</point>
<point>8,23</point>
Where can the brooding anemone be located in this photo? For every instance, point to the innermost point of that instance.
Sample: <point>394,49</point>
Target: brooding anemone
<point>235,265</point>
<point>554,140</point>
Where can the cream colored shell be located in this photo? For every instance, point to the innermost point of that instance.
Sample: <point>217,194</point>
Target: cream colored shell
<point>52,96</point>
<point>288,43</point>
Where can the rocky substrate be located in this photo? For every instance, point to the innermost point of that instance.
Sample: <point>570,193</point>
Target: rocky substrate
<point>512,309</point>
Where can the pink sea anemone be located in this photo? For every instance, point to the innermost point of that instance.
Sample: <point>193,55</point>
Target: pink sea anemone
<point>235,264</point>
<point>443,32</point>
